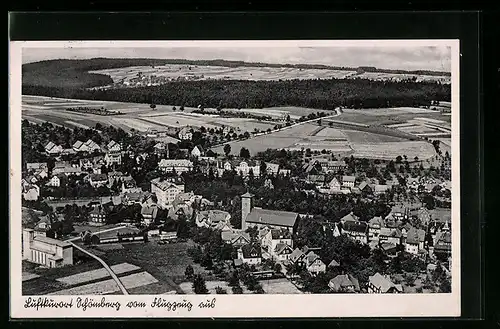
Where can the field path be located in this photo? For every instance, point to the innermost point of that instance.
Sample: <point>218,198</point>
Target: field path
<point>113,275</point>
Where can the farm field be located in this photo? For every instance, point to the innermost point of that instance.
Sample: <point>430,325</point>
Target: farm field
<point>201,72</point>
<point>109,286</point>
<point>93,275</point>
<point>356,136</point>
<point>167,263</point>
<point>26,276</point>
<point>389,117</point>
<point>391,150</point>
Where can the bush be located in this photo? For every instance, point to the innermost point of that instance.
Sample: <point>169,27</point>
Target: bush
<point>237,290</point>
<point>220,291</point>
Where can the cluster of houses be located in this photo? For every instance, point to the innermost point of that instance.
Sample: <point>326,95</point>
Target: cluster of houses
<point>394,231</point>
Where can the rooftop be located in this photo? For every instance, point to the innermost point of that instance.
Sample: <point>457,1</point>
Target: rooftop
<point>272,217</point>
<point>55,242</point>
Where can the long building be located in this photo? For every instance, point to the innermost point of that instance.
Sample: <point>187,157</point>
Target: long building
<point>165,191</point>
<point>46,251</point>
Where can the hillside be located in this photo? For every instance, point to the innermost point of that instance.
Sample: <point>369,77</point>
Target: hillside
<point>74,73</point>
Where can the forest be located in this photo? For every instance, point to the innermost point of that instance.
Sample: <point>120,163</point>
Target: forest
<point>318,94</point>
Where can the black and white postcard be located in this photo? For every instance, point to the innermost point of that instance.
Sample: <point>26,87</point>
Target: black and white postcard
<point>234,178</point>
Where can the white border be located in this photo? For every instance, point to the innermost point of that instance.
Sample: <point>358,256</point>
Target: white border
<point>240,306</point>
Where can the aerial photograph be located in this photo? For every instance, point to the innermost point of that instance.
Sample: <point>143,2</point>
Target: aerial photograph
<point>236,170</point>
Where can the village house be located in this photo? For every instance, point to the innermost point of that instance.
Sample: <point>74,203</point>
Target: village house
<point>42,226</point>
<point>379,284</point>
<point>98,180</point>
<point>374,226</point>
<point>53,149</point>
<point>114,176</point>
<point>348,181</point>
<point>113,147</point>
<point>250,254</point>
<point>46,251</point>
<point>186,133</point>
<point>134,198</point>
<point>333,264</point>
<point>92,146</point>
<point>165,191</point>
<point>313,263</point>
<point>31,192</point>
<point>66,168</point>
<point>80,146</point>
<point>268,183</point>
<point>197,151</point>
<point>113,159</point>
<point>148,214</point>
<point>356,230</point>
<point>334,166</point>
<point>161,149</point>
<point>129,185</point>
<point>389,249</point>
<point>55,181</point>
<point>97,216</point>
<point>275,237</point>
<point>177,165</point>
<point>245,167</point>
<point>260,218</point>
<point>334,184</point>
<point>236,238</point>
<point>217,219</point>
<point>365,188</point>
<point>297,257</point>
<point>317,179</point>
<point>390,235</point>
<point>344,283</point>
<point>36,166</point>
<point>380,189</point>
<point>282,252</point>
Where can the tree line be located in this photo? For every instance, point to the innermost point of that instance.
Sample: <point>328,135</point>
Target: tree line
<point>318,94</point>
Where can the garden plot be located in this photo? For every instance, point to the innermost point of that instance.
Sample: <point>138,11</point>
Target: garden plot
<point>97,274</point>
<point>279,286</point>
<point>137,124</point>
<point>331,133</point>
<point>26,276</point>
<point>110,286</point>
<point>391,150</point>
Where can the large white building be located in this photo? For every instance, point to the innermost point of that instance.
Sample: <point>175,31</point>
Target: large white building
<point>46,251</point>
<point>177,165</point>
<point>165,191</point>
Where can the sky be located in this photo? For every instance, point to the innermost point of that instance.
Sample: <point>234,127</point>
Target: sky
<point>437,58</point>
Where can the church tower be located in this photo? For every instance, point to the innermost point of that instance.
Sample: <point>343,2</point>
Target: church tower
<point>246,208</point>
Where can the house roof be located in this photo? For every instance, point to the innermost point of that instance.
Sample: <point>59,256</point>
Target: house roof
<point>212,216</point>
<point>272,217</point>
<point>311,258</point>
<point>232,236</point>
<point>281,247</point>
<point>377,220</point>
<point>273,167</point>
<point>386,246</point>
<point>348,178</point>
<point>415,236</point>
<point>175,163</point>
<point>349,218</point>
<point>163,185</point>
<point>160,145</point>
<point>344,281</point>
<point>390,232</point>
<point>280,234</point>
<point>251,251</point>
<point>149,211</point>
<point>336,163</point>
<point>380,281</point>
<point>112,144</point>
<point>77,144</point>
<point>199,147</point>
<point>296,255</point>
<point>98,177</point>
<point>175,211</point>
<point>51,241</point>
<point>380,188</point>
<point>351,226</point>
<point>333,263</point>
<point>49,146</point>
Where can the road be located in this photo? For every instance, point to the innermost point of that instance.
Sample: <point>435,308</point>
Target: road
<point>110,271</point>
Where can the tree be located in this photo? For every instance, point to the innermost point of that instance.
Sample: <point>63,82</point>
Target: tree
<point>244,153</point>
<point>153,106</point>
<point>199,286</point>
<point>277,268</point>
<point>220,291</point>
<point>227,149</point>
<point>189,272</point>
<point>237,290</point>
